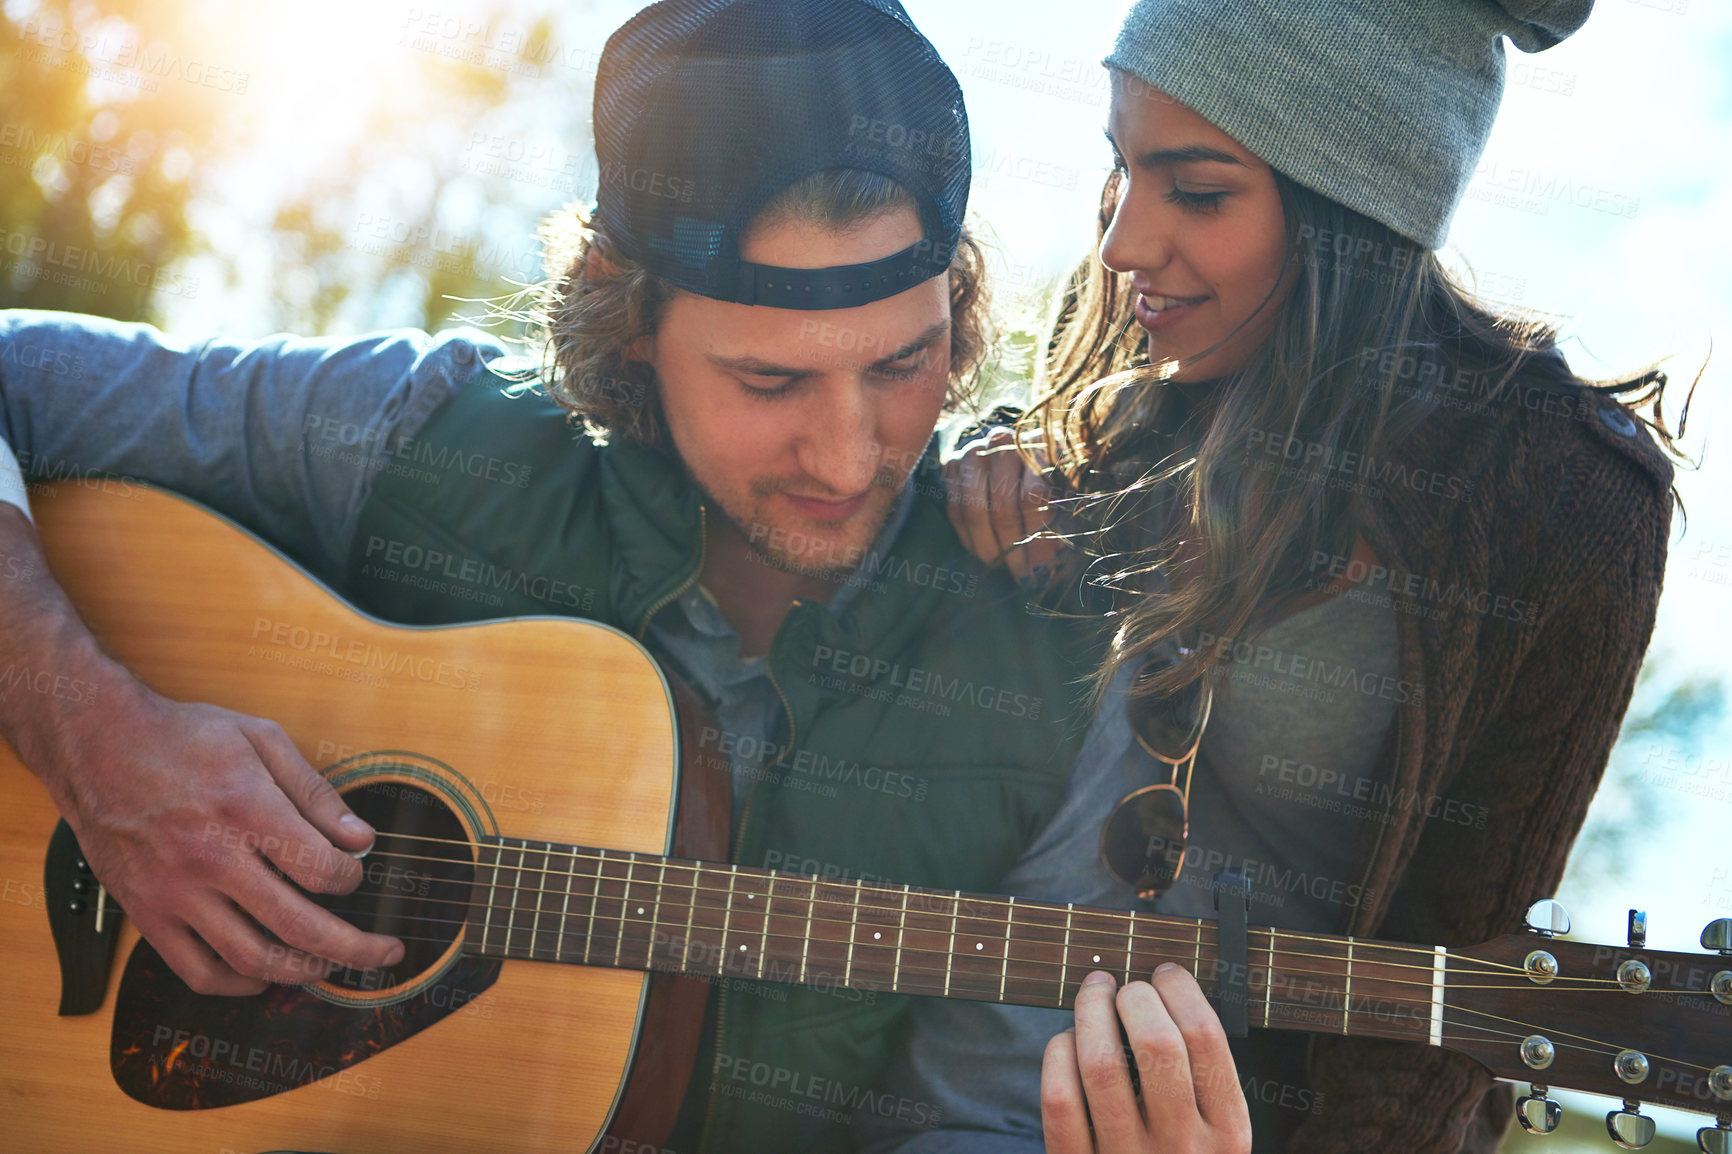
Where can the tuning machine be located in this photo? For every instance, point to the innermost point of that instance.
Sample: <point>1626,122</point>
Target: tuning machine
<point>1717,936</point>
<point>1716,1139</point>
<point>1537,1113</point>
<point>1548,918</point>
<point>1629,1127</point>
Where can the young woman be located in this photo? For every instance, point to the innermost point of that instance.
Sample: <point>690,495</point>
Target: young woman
<point>1398,561</point>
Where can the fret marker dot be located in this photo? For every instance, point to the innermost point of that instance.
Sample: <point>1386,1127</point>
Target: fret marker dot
<point>876,935</point>
<point>979,946</point>
<point>742,949</point>
<point>640,914</point>
<point>1097,956</point>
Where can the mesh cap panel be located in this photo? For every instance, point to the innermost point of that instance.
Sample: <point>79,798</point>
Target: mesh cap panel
<point>704,109</point>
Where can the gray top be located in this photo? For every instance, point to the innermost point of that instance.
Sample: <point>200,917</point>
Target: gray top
<point>1280,791</point>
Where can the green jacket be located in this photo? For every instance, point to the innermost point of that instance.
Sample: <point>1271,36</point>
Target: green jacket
<point>930,728</point>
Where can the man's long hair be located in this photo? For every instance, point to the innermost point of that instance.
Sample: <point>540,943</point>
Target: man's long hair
<point>599,303</point>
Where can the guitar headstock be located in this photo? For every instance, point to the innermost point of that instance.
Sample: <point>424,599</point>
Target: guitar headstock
<point>1625,1021</point>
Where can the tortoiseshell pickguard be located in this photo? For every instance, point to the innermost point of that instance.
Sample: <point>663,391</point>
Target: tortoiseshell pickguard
<point>177,1050</point>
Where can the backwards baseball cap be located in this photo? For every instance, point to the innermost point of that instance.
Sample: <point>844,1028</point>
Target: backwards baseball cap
<point>705,109</point>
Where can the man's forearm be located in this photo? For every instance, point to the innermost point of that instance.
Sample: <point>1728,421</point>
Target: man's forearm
<point>55,670</point>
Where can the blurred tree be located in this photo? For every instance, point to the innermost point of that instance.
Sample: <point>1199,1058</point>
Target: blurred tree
<point>99,130</point>
<point>130,169</point>
<point>435,204</point>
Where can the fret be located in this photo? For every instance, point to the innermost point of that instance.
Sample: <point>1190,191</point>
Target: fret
<point>624,901</point>
<point>950,953</point>
<point>492,890</point>
<point>691,912</point>
<point>594,901</point>
<point>764,938</point>
<point>649,952</point>
<point>1064,960</point>
<point>1004,969</point>
<point>1347,989</point>
<point>727,916</point>
<point>1130,935</point>
<point>516,889</point>
<point>565,910</point>
<point>1440,959</point>
<point>1269,978</point>
<point>901,929</point>
<point>543,888</point>
<point>806,938</point>
<point>853,924</point>
<point>1197,954</point>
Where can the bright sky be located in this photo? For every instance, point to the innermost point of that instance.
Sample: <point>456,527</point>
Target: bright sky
<point>1634,115</point>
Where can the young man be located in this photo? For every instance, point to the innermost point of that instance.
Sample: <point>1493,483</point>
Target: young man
<point>760,325</point>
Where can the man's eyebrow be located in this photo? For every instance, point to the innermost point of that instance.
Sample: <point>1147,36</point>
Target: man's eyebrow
<point>758,367</point>
<point>1189,153</point>
<point>920,342</point>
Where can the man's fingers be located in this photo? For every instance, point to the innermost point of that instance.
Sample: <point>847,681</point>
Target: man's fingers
<point>1216,1079</point>
<point>303,927</point>
<point>200,968</point>
<point>1064,1119</point>
<point>1100,1057</point>
<point>1163,1064</point>
<point>307,788</point>
<point>317,844</point>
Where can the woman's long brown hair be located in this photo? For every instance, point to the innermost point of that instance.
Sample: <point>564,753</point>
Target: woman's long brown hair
<point>1160,478</point>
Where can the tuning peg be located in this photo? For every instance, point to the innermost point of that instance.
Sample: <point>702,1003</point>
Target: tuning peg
<point>1630,1128</point>
<point>1717,936</point>
<point>1548,917</point>
<point>1638,929</point>
<point>1537,1113</point>
<point>1716,1139</point>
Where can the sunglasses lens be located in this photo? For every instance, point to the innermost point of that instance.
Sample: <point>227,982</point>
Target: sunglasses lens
<point>1143,841</point>
<point>1169,726</point>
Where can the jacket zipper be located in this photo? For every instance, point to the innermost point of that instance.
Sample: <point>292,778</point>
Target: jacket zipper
<point>691,578</point>
<point>745,816</point>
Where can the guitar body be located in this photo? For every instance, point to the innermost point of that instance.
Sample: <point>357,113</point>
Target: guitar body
<point>547,729</point>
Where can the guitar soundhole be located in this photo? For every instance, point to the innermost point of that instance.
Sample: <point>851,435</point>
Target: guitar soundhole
<point>417,881</point>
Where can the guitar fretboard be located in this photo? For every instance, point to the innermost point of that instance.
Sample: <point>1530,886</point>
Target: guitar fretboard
<point>538,901</point>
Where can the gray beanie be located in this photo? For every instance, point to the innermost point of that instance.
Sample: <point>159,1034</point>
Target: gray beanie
<point>1382,105</point>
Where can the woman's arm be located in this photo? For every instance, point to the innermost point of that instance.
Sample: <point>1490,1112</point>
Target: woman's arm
<point>1542,729</point>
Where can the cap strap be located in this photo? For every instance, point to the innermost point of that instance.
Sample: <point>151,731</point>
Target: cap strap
<point>841,287</point>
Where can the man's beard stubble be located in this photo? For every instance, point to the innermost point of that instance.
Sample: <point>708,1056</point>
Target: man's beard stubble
<point>820,562</point>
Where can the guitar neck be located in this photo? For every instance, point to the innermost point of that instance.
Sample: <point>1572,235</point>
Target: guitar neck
<point>537,901</point>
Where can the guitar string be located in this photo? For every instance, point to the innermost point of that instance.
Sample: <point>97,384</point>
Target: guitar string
<point>892,895</point>
<point>1489,968</point>
<point>1585,985</point>
<point>1494,968</point>
<point>1420,1018</point>
<point>1286,955</point>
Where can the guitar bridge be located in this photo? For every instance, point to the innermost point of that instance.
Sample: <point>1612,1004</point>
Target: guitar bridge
<point>84,922</point>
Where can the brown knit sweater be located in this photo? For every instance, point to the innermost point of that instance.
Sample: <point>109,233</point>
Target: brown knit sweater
<point>1571,516</point>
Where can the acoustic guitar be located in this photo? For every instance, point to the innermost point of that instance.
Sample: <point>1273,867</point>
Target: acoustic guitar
<point>524,777</point>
